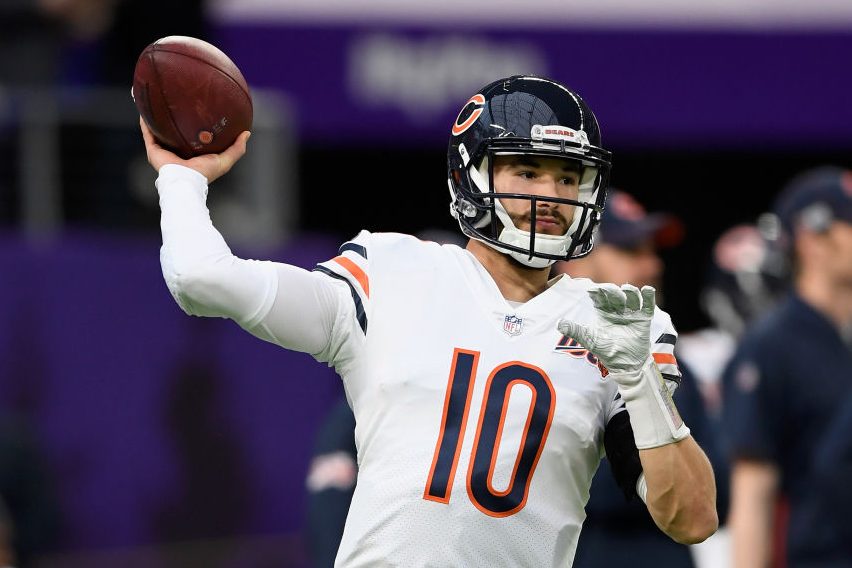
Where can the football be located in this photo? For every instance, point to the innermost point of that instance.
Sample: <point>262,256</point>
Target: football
<point>191,95</point>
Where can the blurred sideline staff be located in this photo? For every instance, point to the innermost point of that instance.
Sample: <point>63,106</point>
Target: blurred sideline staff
<point>29,511</point>
<point>7,554</point>
<point>626,245</point>
<point>331,484</point>
<point>745,278</point>
<point>830,498</point>
<point>616,531</point>
<point>789,377</point>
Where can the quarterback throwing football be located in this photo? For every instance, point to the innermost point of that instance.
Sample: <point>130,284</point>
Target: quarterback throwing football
<point>485,393</point>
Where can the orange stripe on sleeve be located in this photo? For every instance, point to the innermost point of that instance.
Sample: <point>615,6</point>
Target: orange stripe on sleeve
<point>356,271</point>
<point>666,358</point>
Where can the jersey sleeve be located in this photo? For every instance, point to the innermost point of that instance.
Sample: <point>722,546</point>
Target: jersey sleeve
<point>349,273</point>
<point>663,340</point>
<point>334,298</point>
<point>352,267</point>
<point>616,405</point>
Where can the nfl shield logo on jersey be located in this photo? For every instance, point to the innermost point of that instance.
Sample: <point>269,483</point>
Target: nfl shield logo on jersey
<point>513,325</point>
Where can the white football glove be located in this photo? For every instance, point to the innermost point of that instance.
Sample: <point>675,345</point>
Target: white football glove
<point>621,340</point>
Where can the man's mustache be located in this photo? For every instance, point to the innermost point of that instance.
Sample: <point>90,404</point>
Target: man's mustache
<point>540,213</point>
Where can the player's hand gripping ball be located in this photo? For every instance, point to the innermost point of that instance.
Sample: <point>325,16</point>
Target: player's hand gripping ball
<point>191,95</point>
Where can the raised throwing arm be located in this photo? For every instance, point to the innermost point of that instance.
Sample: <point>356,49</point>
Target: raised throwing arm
<point>277,302</point>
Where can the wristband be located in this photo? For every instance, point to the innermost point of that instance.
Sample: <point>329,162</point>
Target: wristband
<point>653,415</point>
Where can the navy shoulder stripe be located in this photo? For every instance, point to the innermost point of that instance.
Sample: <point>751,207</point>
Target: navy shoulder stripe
<point>354,247</point>
<point>674,378</point>
<point>359,307</point>
<point>667,338</point>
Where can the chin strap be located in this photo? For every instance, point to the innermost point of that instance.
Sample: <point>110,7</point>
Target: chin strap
<point>521,239</point>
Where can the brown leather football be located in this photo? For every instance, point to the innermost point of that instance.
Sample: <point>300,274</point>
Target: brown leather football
<point>191,95</point>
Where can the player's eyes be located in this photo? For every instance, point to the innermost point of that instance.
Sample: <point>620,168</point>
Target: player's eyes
<point>526,174</point>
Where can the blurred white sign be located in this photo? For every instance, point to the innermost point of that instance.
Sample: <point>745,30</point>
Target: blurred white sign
<point>423,75</point>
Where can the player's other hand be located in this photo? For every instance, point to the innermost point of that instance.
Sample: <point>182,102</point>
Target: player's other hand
<point>620,338</point>
<point>211,166</point>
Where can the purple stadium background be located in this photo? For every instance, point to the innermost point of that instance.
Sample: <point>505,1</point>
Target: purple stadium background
<point>125,391</point>
<point>128,397</point>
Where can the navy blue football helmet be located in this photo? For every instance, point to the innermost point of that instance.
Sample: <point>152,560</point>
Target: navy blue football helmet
<point>534,116</point>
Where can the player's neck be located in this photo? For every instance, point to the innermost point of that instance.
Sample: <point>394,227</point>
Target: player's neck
<point>517,283</point>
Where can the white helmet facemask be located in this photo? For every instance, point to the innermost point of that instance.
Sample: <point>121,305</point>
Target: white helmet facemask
<point>547,244</point>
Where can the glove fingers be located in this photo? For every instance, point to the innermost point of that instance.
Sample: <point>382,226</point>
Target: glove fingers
<point>648,300</point>
<point>599,298</point>
<point>614,298</point>
<point>633,300</point>
<point>594,294</point>
<point>576,331</point>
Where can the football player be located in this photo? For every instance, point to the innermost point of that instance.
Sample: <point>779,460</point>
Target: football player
<point>484,393</point>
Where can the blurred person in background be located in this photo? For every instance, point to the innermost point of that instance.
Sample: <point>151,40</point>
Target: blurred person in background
<point>745,278</point>
<point>788,379</point>
<point>29,45</point>
<point>618,531</point>
<point>7,553</point>
<point>331,484</point>
<point>627,245</point>
<point>29,510</point>
<point>829,499</point>
<point>527,188</point>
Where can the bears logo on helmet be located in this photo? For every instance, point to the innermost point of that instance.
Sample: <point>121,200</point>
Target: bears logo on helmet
<point>468,115</point>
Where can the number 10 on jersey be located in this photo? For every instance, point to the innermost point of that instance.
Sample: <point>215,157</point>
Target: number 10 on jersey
<point>492,416</point>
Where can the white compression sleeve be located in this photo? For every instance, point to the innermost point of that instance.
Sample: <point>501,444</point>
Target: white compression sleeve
<point>196,260</point>
<point>206,279</point>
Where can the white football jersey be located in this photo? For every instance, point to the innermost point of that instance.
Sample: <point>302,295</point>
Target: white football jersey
<point>479,427</point>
